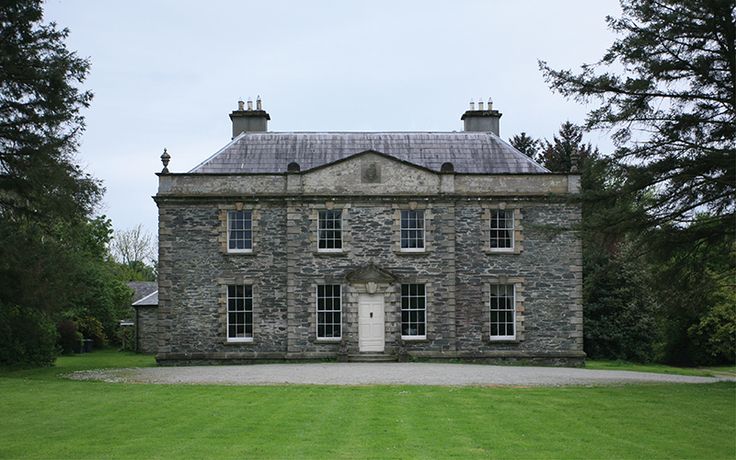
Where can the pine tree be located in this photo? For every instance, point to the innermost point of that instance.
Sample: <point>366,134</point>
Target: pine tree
<point>667,90</point>
<point>526,144</point>
<point>557,156</point>
<point>40,120</point>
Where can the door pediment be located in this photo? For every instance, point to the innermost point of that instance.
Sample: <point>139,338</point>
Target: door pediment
<point>370,274</point>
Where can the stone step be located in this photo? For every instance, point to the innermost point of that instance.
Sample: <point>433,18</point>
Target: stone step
<point>371,358</point>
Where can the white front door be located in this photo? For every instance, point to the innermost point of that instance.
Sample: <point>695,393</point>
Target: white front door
<point>370,322</point>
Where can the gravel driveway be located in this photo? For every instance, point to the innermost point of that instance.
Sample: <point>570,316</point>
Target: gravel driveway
<point>380,374</point>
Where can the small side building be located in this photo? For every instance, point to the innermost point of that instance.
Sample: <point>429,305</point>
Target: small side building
<point>145,304</point>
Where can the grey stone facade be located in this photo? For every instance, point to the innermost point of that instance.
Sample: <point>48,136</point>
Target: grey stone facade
<point>284,268</point>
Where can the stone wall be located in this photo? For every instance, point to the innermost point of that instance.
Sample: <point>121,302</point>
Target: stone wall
<point>285,268</point>
<point>146,328</point>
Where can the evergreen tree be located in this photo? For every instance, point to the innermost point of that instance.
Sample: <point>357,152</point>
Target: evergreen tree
<point>667,89</point>
<point>40,120</point>
<point>526,145</point>
<point>557,156</point>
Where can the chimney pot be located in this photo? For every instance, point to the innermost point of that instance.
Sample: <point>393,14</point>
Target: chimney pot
<point>480,104</point>
<point>490,104</point>
<point>250,104</point>
<point>472,105</point>
<point>258,103</point>
<point>240,105</point>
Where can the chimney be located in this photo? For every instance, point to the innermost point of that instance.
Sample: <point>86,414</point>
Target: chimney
<point>249,120</point>
<point>482,120</point>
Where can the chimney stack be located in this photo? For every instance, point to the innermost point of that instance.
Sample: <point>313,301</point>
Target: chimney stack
<point>249,120</point>
<point>482,120</point>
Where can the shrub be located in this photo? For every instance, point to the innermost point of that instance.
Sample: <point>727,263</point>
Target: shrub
<point>70,339</point>
<point>126,336</point>
<point>27,337</point>
<point>91,328</point>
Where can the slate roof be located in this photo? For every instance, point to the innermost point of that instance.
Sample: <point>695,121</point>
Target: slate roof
<point>271,152</point>
<point>149,300</point>
<point>142,289</point>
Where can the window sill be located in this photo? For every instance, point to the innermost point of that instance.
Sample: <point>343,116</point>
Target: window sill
<point>248,340</point>
<point>501,251</point>
<point>414,338</point>
<point>503,340</point>
<point>331,253</point>
<point>241,253</point>
<point>329,340</point>
<point>411,253</point>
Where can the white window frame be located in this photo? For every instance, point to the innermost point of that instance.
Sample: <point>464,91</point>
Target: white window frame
<point>401,311</point>
<point>317,310</point>
<point>227,308</point>
<point>227,242</point>
<point>424,230</point>
<point>498,337</point>
<point>319,221</point>
<point>507,213</point>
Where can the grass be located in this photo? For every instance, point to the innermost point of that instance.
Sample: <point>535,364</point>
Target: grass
<point>46,416</point>
<point>661,368</point>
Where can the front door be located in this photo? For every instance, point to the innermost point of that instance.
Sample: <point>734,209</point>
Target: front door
<point>370,323</point>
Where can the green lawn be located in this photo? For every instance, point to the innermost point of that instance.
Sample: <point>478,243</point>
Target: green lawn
<point>46,416</point>
<point>660,368</point>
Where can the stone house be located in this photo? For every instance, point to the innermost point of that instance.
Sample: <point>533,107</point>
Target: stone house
<point>368,246</point>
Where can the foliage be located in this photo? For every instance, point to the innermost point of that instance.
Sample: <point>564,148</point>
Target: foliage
<point>70,339</point>
<point>133,245</point>
<point>620,310</point>
<point>126,338</point>
<point>27,337</point>
<point>93,420</point>
<point>716,331</point>
<point>558,155</point>
<point>667,87</point>
<point>91,328</point>
<point>40,120</point>
<point>526,145</point>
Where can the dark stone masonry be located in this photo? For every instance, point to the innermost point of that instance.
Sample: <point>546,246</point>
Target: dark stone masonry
<point>475,289</point>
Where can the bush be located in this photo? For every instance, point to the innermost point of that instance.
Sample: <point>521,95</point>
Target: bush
<point>126,336</point>
<point>27,337</point>
<point>70,339</point>
<point>91,328</point>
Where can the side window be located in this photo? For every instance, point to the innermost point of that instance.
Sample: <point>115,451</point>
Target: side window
<point>329,229</point>
<point>239,231</point>
<point>413,311</point>
<point>502,229</point>
<point>329,311</point>
<point>412,230</point>
<point>503,312</point>
<point>239,313</point>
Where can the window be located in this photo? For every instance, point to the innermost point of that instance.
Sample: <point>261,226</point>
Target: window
<point>502,229</point>
<point>412,231</point>
<point>240,313</point>
<point>330,230</point>
<point>503,312</point>
<point>413,311</point>
<point>239,231</point>
<point>329,312</point>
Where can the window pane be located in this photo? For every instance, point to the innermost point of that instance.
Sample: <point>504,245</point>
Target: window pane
<point>502,310</point>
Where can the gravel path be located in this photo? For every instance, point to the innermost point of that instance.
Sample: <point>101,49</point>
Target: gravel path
<point>380,374</point>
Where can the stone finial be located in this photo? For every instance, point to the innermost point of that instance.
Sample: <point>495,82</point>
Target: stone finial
<point>574,159</point>
<point>165,158</point>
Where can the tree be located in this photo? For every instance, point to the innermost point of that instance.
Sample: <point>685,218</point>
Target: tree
<point>526,144</point>
<point>40,120</point>
<point>667,89</point>
<point>133,245</point>
<point>557,156</point>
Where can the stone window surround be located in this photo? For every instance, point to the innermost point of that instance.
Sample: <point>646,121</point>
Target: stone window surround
<point>427,303</point>
<point>428,227</point>
<point>518,283</point>
<point>313,310</point>
<point>222,238</point>
<point>518,237</point>
<point>347,238</point>
<point>223,283</point>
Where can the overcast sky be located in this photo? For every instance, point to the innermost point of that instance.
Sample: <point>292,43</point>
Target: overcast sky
<point>167,73</point>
